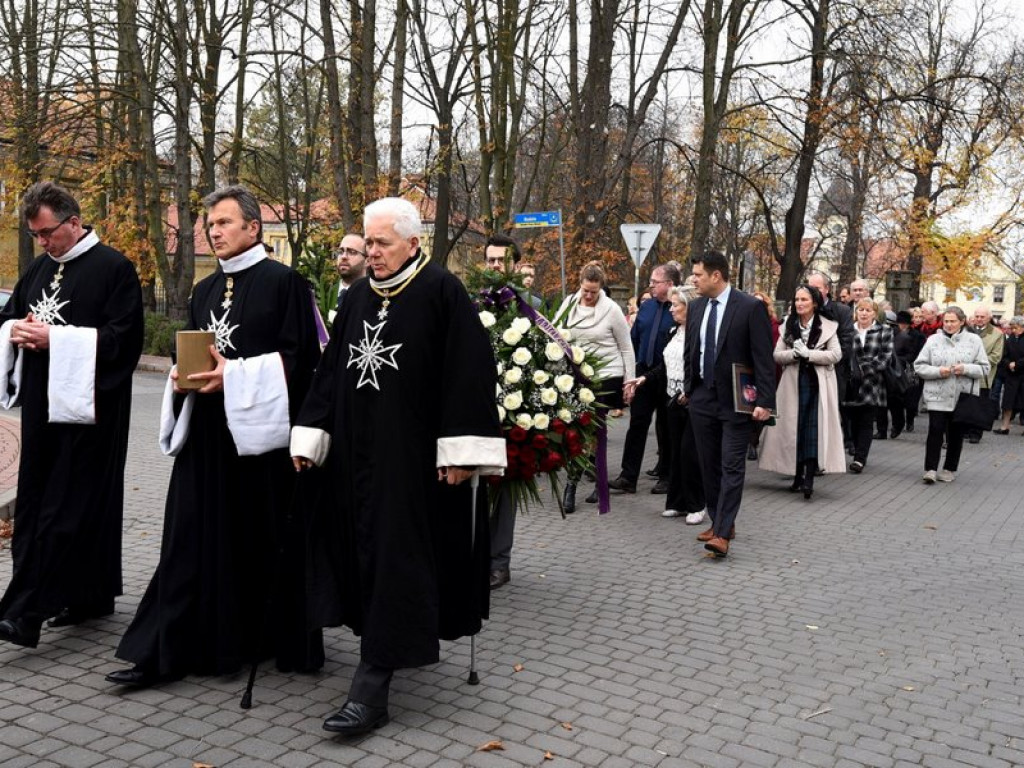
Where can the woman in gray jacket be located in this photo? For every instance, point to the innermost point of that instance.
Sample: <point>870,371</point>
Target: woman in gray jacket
<point>952,361</point>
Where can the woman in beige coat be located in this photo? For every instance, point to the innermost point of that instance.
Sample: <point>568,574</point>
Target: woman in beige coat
<point>807,434</point>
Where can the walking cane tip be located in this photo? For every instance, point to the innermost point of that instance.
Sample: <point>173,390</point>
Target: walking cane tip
<point>473,679</point>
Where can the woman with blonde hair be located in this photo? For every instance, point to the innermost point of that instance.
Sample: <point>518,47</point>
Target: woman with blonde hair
<point>865,392</point>
<point>598,325</point>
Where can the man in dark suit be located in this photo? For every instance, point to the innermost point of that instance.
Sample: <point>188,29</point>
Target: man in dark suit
<point>724,327</point>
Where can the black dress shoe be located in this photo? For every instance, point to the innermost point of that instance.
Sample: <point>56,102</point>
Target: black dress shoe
<point>621,485</point>
<point>136,677</point>
<point>910,428</point>
<point>653,472</point>
<point>499,578</point>
<point>879,435</point>
<point>894,433</point>
<point>592,498</point>
<point>355,718</point>
<point>23,632</point>
<point>569,498</point>
<point>660,487</point>
<point>74,615</point>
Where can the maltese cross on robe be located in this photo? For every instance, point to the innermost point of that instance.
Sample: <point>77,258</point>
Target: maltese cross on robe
<point>47,309</point>
<point>370,355</point>
<point>222,331</point>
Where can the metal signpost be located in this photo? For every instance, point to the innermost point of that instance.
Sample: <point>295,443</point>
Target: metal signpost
<point>639,240</point>
<point>545,219</point>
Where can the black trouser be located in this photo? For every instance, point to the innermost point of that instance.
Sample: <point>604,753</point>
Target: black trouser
<point>685,485</point>
<point>941,427</point>
<point>896,409</point>
<point>862,423</point>
<point>647,402</point>
<point>370,685</point>
<point>912,402</point>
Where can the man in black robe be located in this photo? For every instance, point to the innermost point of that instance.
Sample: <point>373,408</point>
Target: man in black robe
<point>74,326</point>
<point>228,587</point>
<point>402,410</point>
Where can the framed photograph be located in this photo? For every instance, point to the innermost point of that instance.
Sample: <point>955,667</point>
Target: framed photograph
<point>744,390</point>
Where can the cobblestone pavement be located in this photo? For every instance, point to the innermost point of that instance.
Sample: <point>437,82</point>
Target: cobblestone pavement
<point>878,625</point>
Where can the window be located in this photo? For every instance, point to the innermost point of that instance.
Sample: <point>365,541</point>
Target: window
<point>998,293</point>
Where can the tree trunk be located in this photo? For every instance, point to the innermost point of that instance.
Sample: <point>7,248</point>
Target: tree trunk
<point>334,118</point>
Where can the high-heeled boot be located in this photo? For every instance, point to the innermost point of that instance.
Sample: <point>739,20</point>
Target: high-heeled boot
<point>569,498</point>
<point>810,468</point>
<point>798,478</point>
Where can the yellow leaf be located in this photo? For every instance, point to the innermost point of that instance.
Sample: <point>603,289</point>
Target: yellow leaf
<point>548,756</point>
<point>811,626</point>
<point>490,746</point>
<point>567,726</point>
<point>908,687</point>
<point>517,668</point>
<point>203,765</point>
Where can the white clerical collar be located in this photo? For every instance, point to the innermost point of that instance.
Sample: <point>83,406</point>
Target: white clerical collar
<point>398,277</point>
<point>244,260</point>
<point>89,241</point>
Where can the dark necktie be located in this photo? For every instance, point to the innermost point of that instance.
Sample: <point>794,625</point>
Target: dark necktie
<point>341,297</point>
<point>710,333</point>
<point>652,337</point>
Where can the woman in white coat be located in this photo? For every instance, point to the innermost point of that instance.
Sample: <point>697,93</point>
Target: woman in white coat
<point>808,433</point>
<point>599,326</point>
<point>953,360</point>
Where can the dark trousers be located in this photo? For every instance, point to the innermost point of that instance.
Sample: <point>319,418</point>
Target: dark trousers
<point>370,685</point>
<point>503,528</point>
<point>647,402</point>
<point>722,441</point>
<point>912,402</point>
<point>941,427</point>
<point>898,410</point>
<point>862,423</point>
<point>685,486</point>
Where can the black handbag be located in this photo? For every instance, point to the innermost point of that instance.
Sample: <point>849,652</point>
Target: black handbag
<point>899,376</point>
<point>975,412</point>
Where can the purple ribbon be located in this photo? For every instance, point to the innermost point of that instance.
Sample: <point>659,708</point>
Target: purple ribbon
<point>318,319</point>
<point>504,296</point>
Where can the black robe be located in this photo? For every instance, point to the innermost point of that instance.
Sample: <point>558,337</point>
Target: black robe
<point>67,533</point>
<point>397,562</point>
<point>227,589</point>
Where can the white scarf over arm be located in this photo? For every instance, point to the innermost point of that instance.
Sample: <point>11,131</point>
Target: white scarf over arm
<point>10,367</point>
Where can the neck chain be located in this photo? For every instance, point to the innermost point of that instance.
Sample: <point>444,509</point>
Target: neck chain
<point>55,283</point>
<point>229,286</point>
<point>388,293</point>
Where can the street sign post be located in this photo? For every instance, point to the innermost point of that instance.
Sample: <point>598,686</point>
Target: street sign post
<point>545,219</point>
<point>639,240</point>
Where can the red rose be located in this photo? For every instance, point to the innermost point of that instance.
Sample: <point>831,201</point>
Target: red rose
<point>511,450</point>
<point>575,449</point>
<point>540,442</point>
<point>584,419</point>
<point>527,455</point>
<point>558,425</point>
<point>555,458</point>
<point>572,436</point>
<point>518,434</point>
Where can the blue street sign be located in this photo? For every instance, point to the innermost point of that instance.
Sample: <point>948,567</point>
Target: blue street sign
<point>539,219</point>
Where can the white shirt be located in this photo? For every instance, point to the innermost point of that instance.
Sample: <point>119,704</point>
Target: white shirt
<point>722,299</point>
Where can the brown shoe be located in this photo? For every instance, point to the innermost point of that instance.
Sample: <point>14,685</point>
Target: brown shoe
<point>718,545</point>
<point>709,534</point>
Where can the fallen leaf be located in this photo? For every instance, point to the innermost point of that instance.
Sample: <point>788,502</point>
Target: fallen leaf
<point>203,765</point>
<point>908,688</point>
<point>543,576</point>
<point>811,626</point>
<point>796,562</point>
<point>931,527</point>
<point>518,668</point>
<point>567,726</point>
<point>548,756</point>
<point>490,746</point>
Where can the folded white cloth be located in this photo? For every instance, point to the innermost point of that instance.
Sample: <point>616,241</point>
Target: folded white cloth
<point>256,403</point>
<point>10,367</point>
<point>71,387</point>
<point>486,454</point>
<point>311,443</point>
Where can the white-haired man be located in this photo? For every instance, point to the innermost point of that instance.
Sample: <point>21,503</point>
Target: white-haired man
<point>993,340</point>
<point>402,409</point>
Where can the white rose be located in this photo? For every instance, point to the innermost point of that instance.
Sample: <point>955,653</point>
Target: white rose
<point>565,333</point>
<point>548,396</point>
<point>521,356</point>
<point>511,336</point>
<point>541,421</point>
<point>587,369</point>
<point>524,420</point>
<point>553,352</point>
<point>564,382</point>
<point>501,413</point>
<point>521,324</point>
<point>487,318</point>
<point>586,396</point>
<point>514,375</point>
<point>513,400</point>
<point>578,354</point>
<point>565,415</point>
<point>540,377</point>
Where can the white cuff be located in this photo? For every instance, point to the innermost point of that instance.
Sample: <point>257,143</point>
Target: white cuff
<point>256,404</point>
<point>10,367</point>
<point>486,454</point>
<point>71,385</point>
<point>174,431</point>
<point>310,443</point>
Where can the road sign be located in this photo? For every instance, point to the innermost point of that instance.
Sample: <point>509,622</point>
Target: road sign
<point>538,219</point>
<point>639,239</point>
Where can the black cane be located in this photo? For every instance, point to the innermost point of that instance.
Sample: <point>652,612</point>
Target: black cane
<point>474,485</point>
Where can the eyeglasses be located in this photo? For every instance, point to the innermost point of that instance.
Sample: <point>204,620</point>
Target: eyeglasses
<point>654,282</point>
<point>350,252</point>
<point>47,232</point>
